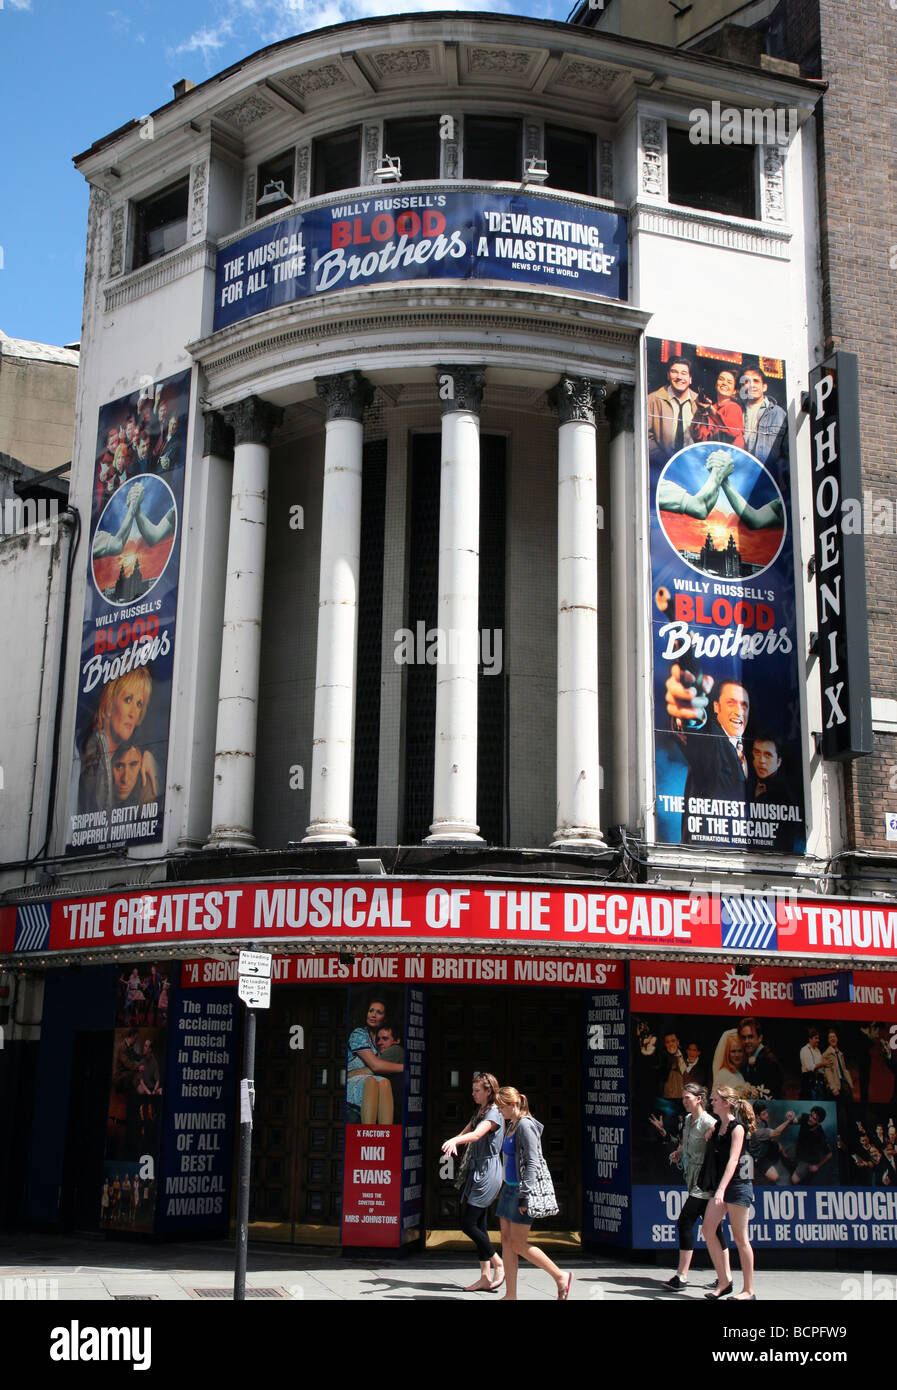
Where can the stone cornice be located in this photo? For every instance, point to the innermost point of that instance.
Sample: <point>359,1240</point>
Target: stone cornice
<point>392,325</point>
<point>196,255</point>
<point>735,234</point>
<point>373,41</point>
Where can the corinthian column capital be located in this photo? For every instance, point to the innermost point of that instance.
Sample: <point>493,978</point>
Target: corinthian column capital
<point>345,395</point>
<point>218,438</point>
<point>621,411</point>
<point>578,398</point>
<point>252,420</point>
<point>461,388</point>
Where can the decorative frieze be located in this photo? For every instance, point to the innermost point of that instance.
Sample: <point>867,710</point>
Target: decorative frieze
<point>249,198</point>
<point>499,61</point>
<point>652,142</point>
<point>198,194</point>
<point>117,240</point>
<point>303,166</point>
<point>319,79</point>
<point>451,148</point>
<point>773,185</point>
<point>246,111</point>
<point>592,77</point>
<point>371,152</point>
<point>606,169</point>
<point>400,62</point>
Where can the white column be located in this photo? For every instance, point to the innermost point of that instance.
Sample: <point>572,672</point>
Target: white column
<point>253,422</point>
<point>201,626</point>
<point>333,754</point>
<point>624,482</point>
<point>578,769</point>
<point>455,769</point>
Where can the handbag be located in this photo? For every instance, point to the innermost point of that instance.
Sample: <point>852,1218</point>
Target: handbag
<point>708,1177</point>
<point>540,1196</point>
<point>459,1181</point>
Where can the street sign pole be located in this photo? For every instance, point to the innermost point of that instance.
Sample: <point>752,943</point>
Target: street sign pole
<point>247,1098</point>
<point>254,988</point>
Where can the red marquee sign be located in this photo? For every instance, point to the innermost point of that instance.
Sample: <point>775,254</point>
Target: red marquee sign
<point>398,912</point>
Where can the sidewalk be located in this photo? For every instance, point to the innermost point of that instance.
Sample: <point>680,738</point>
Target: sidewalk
<point>83,1270</point>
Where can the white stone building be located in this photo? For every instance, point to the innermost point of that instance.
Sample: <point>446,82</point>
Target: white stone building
<point>410,646</point>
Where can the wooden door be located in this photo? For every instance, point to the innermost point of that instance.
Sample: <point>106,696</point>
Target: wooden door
<point>297,1138</point>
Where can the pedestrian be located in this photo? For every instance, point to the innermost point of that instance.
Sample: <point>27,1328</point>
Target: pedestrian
<point>528,1192</point>
<point>481,1138</point>
<point>734,1189</point>
<point>696,1158</point>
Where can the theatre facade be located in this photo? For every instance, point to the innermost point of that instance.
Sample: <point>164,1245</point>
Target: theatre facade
<point>443,627</point>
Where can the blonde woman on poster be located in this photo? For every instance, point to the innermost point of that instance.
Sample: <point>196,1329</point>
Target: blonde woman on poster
<point>728,1059</point>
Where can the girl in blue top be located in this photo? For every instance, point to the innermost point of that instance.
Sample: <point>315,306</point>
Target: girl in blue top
<point>522,1149</point>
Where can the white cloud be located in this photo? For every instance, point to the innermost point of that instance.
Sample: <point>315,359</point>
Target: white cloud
<point>248,24</point>
<point>206,41</point>
<point>19,4</point>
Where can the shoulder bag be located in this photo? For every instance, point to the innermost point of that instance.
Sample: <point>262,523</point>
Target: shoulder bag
<point>709,1175</point>
<point>459,1181</point>
<point>540,1198</point>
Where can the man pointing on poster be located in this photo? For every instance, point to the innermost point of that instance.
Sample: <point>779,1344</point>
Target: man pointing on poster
<point>713,746</point>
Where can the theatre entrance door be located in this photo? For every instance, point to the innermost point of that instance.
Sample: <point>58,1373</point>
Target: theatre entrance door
<point>529,1038</point>
<point>297,1137</point>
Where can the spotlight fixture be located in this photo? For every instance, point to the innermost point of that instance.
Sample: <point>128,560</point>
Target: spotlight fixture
<point>389,170</point>
<point>274,193</point>
<point>534,171</point>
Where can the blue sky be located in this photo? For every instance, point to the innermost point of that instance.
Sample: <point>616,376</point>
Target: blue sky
<point>71,71</point>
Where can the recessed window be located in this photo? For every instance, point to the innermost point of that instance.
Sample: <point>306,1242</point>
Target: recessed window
<point>492,149</point>
<point>161,224</point>
<point>274,184</point>
<point>715,178</point>
<point>336,160</point>
<point>416,142</point>
<point>570,156</point>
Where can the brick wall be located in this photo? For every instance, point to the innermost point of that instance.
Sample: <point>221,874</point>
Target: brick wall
<point>858,145</point>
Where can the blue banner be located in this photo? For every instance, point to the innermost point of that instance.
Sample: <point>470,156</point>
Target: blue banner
<point>816,990</point>
<point>119,768</point>
<point>727,661</point>
<point>607,1213</point>
<point>198,1134</point>
<point>781,1218</point>
<point>399,237</point>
